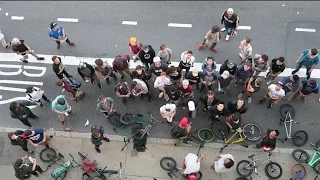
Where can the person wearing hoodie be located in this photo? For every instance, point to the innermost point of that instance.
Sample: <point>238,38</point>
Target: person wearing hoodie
<point>229,66</point>
<point>211,39</point>
<point>22,112</point>
<point>231,23</point>
<point>146,55</point>
<point>16,139</point>
<point>88,74</point>
<point>209,63</point>
<point>121,64</point>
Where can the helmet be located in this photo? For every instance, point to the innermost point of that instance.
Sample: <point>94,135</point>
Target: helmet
<point>61,101</point>
<point>133,39</point>
<point>192,177</point>
<point>15,41</point>
<point>52,25</point>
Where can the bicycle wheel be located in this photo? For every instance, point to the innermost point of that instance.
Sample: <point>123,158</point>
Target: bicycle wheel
<point>168,163</point>
<point>273,170</point>
<point>114,119</point>
<point>316,168</point>
<point>219,130</point>
<point>284,108</point>
<point>252,131</point>
<point>198,175</point>
<point>300,155</point>
<point>298,171</point>
<point>242,178</point>
<point>300,138</point>
<point>81,156</point>
<point>205,135</point>
<point>317,144</point>
<point>48,154</point>
<point>244,168</point>
<point>127,118</point>
<point>62,176</point>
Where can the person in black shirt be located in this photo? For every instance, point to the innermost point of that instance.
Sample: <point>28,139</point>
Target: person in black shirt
<point>230,66</point>
<point>234,121</point>
<point>269,142</point>
<point>105,71</point>
<point>209,100</point>
<point>146,55</point>
<point>22,112</point>
<point>252,86</point>
<point>16,139</point>
<point>230,21</point>
<point>157,67</point>
<point>59,68</point>
<point>194,77</point>
<point>237,106</point>
<point>277,66</point>
<point>21,48</point>
<point>307,88</point>
<point>218,111</point>
<point>123,91</point>
<point>175,74</point>
<point>85,70</point>
<point>174,94</point>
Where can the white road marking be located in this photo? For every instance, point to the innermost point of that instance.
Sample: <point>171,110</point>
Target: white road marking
<point>67,20</point>
<point>0,96</point>
<point>297,12</point>
<point>283,5</point>
<point>13,99</point>
<point>180,25</point>
<point>7,14</point>
<point>20,18</point>
<point>305,30</point>
<point>132,23</point>
<point>244,27</point>
<point>21,82</point>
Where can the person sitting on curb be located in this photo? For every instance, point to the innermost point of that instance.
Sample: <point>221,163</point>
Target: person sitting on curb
<point>168,112</point>
<point>105,105</point>
<point>97,135</point>
<point>181,132</point>
<point>223,163</point>
<point>16,139</point>
<point>26,166</point>
<point>140,88</point>
<point>191,164</point>
<point>37,136</point>
<point>174,94</point>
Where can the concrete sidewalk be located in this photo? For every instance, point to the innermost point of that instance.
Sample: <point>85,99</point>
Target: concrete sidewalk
<point>139,166</point>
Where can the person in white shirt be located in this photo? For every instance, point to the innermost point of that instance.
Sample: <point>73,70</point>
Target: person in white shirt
<point>168,112</point>
<point>274,93</point>
<point>160,83</point>
<point>191,164</point>
<point>140,88</point>
<point>187,61</point>
<point>223,163</point>
<point>34,94</point>
<point>3,41</point>
<point>245,49</point>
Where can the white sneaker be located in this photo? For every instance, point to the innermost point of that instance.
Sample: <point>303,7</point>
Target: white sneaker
<point>227,37</point>
<point>234,33</point>
<point>269,82</point>
<point>249,100</point>
<point>160,95</point>
<point>223,29</point>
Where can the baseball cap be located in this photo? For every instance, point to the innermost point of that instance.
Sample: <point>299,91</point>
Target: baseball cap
<point>280,83</point>
<point>210,92</point>
<point>230,63</point>
<point>191,106</point>
<point>209,69</point>
<point>145,47</point>
<point>52,24</point>
<point>167,107</point>
<point>225,74</point>
<point>156,59</point>
<point>192,177</point>
<point>183,122</point>
<point>230,10</point>
<point>186,82</point>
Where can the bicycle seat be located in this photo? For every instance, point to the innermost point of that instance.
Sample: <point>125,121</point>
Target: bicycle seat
<point>251,156</point>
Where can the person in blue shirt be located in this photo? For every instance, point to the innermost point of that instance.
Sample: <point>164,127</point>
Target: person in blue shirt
<point>290,83</point>
<point>97,135</point>
<point>307,88</point>
<point>61,107</point>
<point>56,33</point>
<point>310,59</point>
<point>36,136</point>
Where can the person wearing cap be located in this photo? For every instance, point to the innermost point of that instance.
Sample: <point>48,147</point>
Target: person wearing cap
<point>21,111</point>
<point>59,68</point>
<point>105,105</point>
<point>61,107</point>
<point>157,67</point>
<point>168,111</point>
<point>181,132</point>
<point>208,63</point>
<point>223,163</point>
<point>187,61</point>
<point>56,33</point>
<point>230,20</point>
<point>260,63</point>
<point>161,82</point>
<point>277,66</point>
<point>194,77</point>
<point>21,48</point>
<point>88,74</point>
<point>237,106</point>
<point>97,135</point>
<point>243,73</point>
<point>252,86</point>
<point>192,108</point>
<point>35,94</point>
<point>290,83</point>
<point>230,66</point>
<point>310,59</point>
<point>165,54</point>
<point>211,39</point>
<point>224,81</point>
<point>174,94</point>
<point>146,54</point>
<point>187,92</point>
<point>209,100</point>
<point>37,136</point>
<point>140,88</point>
<point>175,74</point>
<point>16,139</point>
<point>245,49</point>
<point>208,79</point>
<point>307,88</point>
<point>274,94</point>
<point>3,41</point>
<point>121,64</point>
<point>123,91</point>
<point>105,71</point>
<point>191,165</point>
<point>218,111</point>
<point>135,46</point>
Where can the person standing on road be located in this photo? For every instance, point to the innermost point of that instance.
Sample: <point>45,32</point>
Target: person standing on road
<point>135,47</point>
<point>140,88</point>
<point>218,111</point>
<point>290,83</point>
<point>191,165</point>
<point>21,48</point>
<point>105,71</point>
<point>223,163</point>
<point>209,63</point>
<point>161,82</point>
<point>105,105</point>
<point>194,77</point>
<point>252,86</point>
<point>229,66</point>
<point>121,64</point>
<point>224,82</point>
<point>310,59</point>
<point>269,142</point>
<point>277,66</point>
<point>175,74</point>
<point>66,86</point>
<point>260,63</point>
<point>245,50</point>
<point>16,139</point>
<point>187,61</point>
<point>3,41</point>
<point>146,55</point>
<point>157,67</point>
<point>165,54</point>
<point>22,112</point>
<point>59,68</point>
<point>168,111</point>
<point>35,94</point>
<point>88,74</point>
<point>209,100</point>
<point>56,33</point>
<point>211,39</point>
<point>97,135</point>
<point>62,108</point>
<point>231,23</point>
<point>37,136</point>
<point>123,91</point>
<point>274,93</point>
<point>26,166</point>
<point>237,106</point>
<point>243,73</point>
<point>174,95</point>
<point>208,79</point>
<point>306,89</point>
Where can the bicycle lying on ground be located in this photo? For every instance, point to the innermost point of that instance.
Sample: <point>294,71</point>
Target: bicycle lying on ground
<point>251,132</point>
<point>298,172</point>
<point>300,137</point>
<point>50,155</point>
<point>245,168</point>
<point>92,167</point>
<point>203,135</point>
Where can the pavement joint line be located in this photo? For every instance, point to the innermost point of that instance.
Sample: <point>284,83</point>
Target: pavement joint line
<point>244,27</point>
<point>180,25</point>
<point>67,20</point>
<point>170,142</point>
<point>132,23</point>
<point>19,18</point>
<point>305,30</point>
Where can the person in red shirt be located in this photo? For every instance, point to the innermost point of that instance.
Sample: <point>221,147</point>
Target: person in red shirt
<point>187,92</point>
<point>134,47</point>
<point>121,64</point>
<point>66,86</point>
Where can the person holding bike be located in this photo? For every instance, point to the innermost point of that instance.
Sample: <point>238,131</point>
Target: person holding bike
<point>191,165</point>
<point>97,135</point>
<point>234,121</point>
<point>269,142</point>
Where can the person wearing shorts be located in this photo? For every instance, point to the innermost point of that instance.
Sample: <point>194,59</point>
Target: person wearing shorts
<point>37,136</point>
<point>140,88</point>
<point>21,48</point>
<point>274,93</point>
<point>105,105</point>
<point>61,107</point>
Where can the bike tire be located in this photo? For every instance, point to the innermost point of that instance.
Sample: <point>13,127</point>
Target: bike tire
<point>48,154</point>
<point>168,163</point>
<point>300,155</point>
<point>269,165</point>
<point>205,135</point>
<point>300,138</point>
<point>81,156</point>
<point>298,168</point>
<point>127,118</point>
<point>316,168</point>
<point>317,144</point>
<point>62,176</point>
<point>242,178</point>
<point>284,108</point>
<point>199,175</point>
<point>240,169</point>
<point>218,128</point>
<point>251,134</point>
<point>114,119</point>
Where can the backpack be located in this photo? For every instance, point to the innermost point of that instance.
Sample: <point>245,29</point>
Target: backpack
<point>75,83</point>
<point>175,132</point>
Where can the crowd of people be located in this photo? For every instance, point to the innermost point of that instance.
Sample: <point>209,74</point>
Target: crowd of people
<point>182,86</point>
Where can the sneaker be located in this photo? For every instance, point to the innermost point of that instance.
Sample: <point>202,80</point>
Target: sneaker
<point>91,82</point>
<point>160,95</point>
<point>214,50</point>
<point>106,116</point>
<point>249,100</point>
<point>23,60</point>
<point>262,101</point>
<point>269,105</point>
<point>227,37</point>
<point>49,100</point>
<point>36,174</point>
<point>51,136</point>
<point>223,29</point>
<point>100,87</point>
<point>72,44</point>
<point>63,123</point>
<point>200,47</point>
<point>40,58</point>
<point>47,146</point>
<point>205,109</point>
<point>240,55</point>
<point>98,150</point>
<point>58,46</point>
<point>234,33</point>
<point>106,139</point>
<point>303,100</point>
<point>7,46</point>
<point>269,82</point>
<point>240,95</point>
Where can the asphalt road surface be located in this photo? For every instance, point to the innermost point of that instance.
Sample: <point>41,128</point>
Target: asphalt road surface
<point>99,33</point>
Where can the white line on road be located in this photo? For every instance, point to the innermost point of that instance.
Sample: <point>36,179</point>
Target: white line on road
<point>67,20</point>
<point>21,82</point>
<point>132,23</point>
<point>180,25</point>
<point>20,18</point>
<point>0,96</point>
<point>305,30</point>
<point>244,27</point>
<point>13,99</point>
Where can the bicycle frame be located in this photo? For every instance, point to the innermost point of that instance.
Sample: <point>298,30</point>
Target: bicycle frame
<point>287,120</point>
<point>241,138</point>
<point>315,160</point>
<point>254,162</point>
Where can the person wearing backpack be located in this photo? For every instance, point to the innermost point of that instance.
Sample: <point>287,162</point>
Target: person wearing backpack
<point>34,94</point>
<point>61,107</point>
<point>97,135</point>
<point>59,68</point>
<point>307,88</point>
<point>26,166</point>
<point>87,72</point>
<point>21,48</point>
<point>16,139</point>
<point>211,39</point>
<point>68,86</point>
<point>56,33</point>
